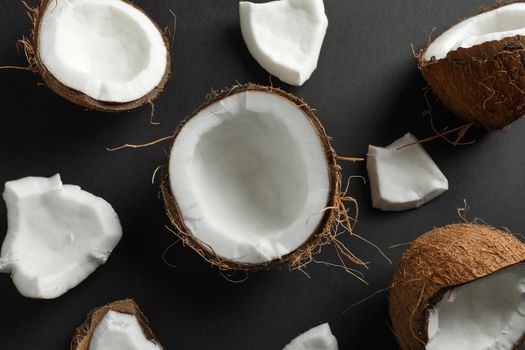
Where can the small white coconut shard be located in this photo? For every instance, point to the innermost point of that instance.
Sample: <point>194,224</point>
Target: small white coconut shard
<point>250,177</point>
<point>402,179</point>
<point>503,22</point>
<point>285,36</point>
<point>488,314</point>
<point>318,338</point>
<point>119,331</point>
<point>107,49</point>
<point>57,235</point>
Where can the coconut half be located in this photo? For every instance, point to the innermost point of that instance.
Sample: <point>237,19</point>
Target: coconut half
<point>317,338</point>
<point>403,178</point>
<point>285,36</point>
<point>106,55</point>
<point>57,235</point>
<point>252,179</point>
<point>460,287</point>
<point>116,326</point>
<point>476,67</point>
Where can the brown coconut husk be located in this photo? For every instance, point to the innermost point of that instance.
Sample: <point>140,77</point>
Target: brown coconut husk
<point>443,259</point>
<point>335,214</point>
<point>35,64</point>
<point>83,333</point>
<point>484,84</point>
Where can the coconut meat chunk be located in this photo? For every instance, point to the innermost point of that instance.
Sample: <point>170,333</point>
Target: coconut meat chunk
<point>107,49</point>
<point>402,179</point>
<point>120,331</point>
<point>318,338</point>
<point>249,175</point>
<point>57,235</point>
<point>503,22</point>
<point>488,314</point>
<point>285,36</point>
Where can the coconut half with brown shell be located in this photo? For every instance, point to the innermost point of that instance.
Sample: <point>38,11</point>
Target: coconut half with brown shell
<point>252,181</point>
<point>462,287</point>
<point>116,326</point>
<point>477,66</point>
<point>105,55</point>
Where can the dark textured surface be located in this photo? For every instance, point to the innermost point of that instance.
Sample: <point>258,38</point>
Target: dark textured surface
<point>366,90</point>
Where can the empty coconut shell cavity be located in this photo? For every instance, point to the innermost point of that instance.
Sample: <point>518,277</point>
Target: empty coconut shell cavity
<point>252,179</point>
<point>106,55</point>
<point>460,287</point>
<point>476,67</point>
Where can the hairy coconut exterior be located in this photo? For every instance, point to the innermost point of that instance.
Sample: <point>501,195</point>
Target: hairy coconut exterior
<point>441,260</point>
<point>484,84</point>
<point>323,233</point>
<point>83,333</point>
<point>75,96</point>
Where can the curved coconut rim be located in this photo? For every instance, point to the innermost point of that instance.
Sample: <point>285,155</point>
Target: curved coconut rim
<point>84,332</point>
<point>75,96</point>
<point>420,55</point>
<point>301,255</point>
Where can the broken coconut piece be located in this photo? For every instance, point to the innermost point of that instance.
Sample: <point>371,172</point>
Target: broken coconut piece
<point>251,178</point>
<point>117,326</point>
<point>57,235</point>
<point>476,67</point>
<point>402,179</point>
<point>105,55</point>
<point>460,287</point>
<point>285,36</point>
<point>118,331</point>
<point>318,338</point>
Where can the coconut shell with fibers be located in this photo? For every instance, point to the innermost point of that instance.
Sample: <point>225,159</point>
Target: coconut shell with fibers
<point>35,64</point>
<point>483,84</point>
<point>442,259</point>
<point>322,235</point>
<point>84,332</point>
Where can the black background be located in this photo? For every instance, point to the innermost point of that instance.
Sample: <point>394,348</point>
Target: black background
<point>367,89</point>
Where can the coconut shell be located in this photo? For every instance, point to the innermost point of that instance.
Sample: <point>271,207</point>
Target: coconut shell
<point>83,333</point>
<point>75,96</point>
<point>323,231</point>
<point>484,84</point>
<point>443,259</point>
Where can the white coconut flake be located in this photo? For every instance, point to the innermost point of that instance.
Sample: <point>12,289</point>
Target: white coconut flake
<point>107,49</point>
<point>318,338</point>
<point>402,179</point>
<point>119,331</point>
<point>485,314</point>
<point>503,22</point>
<point>285,36</point>
<point>250,177</point>
<point>57,235</point>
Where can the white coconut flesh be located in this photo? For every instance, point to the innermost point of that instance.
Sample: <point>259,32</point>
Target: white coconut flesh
<point>503,22</point>
<point>318,338</point>
<point>402,179</point>
<point>488,314</point>
<point>285,36</point>
<point>106,49</point>
<point>119,331</point>
<point>250,177</point>
<point>57,235</point>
